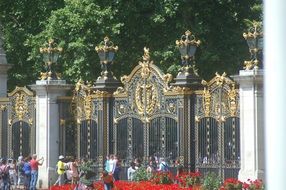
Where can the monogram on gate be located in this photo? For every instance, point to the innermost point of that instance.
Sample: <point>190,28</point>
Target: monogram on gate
<point>146,98</point>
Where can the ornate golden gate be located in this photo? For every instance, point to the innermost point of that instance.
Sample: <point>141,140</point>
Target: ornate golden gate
<point>217,127</point>
<point>18,123</point>
<point>145,114</point>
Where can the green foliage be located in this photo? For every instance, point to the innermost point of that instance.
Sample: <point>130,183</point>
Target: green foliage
<point>162,178</point>
<point>211,182</point>
<point>141,175</point>
<point>79,25</point>
<point>20,20</point>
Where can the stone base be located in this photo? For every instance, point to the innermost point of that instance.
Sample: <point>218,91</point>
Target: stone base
<point>47,177</point>
<point>244,175</point>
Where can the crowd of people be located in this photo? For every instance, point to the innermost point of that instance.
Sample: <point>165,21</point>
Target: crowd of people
<point>113,168</point>
<point>21,174</point>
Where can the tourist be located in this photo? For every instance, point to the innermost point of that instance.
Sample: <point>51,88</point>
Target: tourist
<point>106,165</point>
<point>112,164</point>
<point>27,172</point>
<point>60,171</point>
<point>107,180</point>
<point>34,163</point>
<point>72,172</point>
<point>150,168</point>
<point>137,162</point>
<point>163,166</point>
<point>179,167</point>
<point>4,173</point>
<point>131,170</point>
<point>20,171</point>
<point>117,169</point>
<point>12,172</point>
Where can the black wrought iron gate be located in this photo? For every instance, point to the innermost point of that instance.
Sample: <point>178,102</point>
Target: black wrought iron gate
<point>217,128</point>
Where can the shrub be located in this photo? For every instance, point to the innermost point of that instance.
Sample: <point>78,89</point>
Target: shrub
<point>211,181</point>
<point>141,175</point>
<point>162,178</point>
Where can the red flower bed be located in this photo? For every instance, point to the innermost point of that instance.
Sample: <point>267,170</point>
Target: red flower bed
<point>143,185</point>
<point>63,187</point>
<point>125,185</point>
<point>186,181</point>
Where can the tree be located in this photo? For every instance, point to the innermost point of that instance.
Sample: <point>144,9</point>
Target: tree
<point>21,19</point>
<point>79,26</point>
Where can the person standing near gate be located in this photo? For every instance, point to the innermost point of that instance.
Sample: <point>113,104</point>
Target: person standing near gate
<point>34,170</point>
<point>27,172</point>
<point>20,172</point>
<point>60,171</point>
<point>4,174</point>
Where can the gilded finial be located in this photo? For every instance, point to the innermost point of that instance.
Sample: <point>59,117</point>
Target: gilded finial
<point>146,56</point>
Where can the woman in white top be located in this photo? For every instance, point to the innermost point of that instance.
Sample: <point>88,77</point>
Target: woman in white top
<point>130,172</point>
<point>12,172</point>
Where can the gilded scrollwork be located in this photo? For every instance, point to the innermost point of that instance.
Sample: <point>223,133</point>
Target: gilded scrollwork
<point>232,99</point>
<point>171,108</point>
<point>145,64</point>
<point>220,79</point>
<point>22,105</point>
<point>177,90</point>
<point>120,92</point>
<point>219,98</point>
<point>167,78</point>
<point>102,94</point>
<point>3,107</point>
<point>207,102</point>
<point>82,101</point>
<point>146,97</point>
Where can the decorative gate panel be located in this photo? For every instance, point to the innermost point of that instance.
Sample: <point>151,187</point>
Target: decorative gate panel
<point>20,139</point>
<point>137,138</point>
<point>68,128</point>
<point>147,107</point>
<point>171,139</point>
<point>217,128</point>
<point>88,138</point>
<point>86,111</point>
<point>21,120</point>
<point>123,139</point>
<point>155,137</point>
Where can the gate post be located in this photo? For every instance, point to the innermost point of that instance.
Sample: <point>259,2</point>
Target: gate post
<point>251,124</point>
<point>186,82</point>
<point>47,126</point>
<point>185,87</point>
<point>105,121</point>
<point>186,123</point>
<point>105,85</point>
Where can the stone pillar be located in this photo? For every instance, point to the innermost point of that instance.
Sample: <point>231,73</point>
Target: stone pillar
<point>275,92</point>
<point>4,67</point>
<point>251,124</point>
<point>47,127</point>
